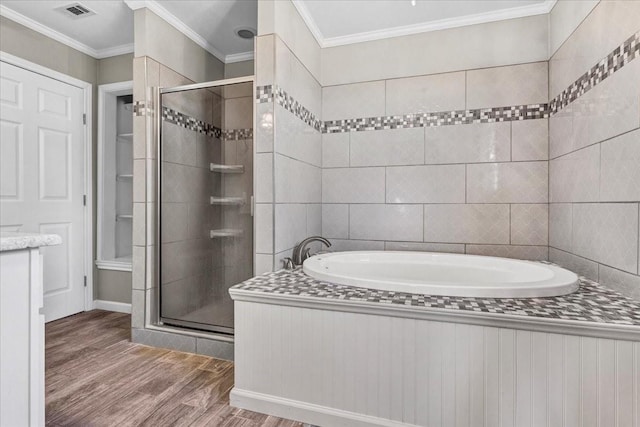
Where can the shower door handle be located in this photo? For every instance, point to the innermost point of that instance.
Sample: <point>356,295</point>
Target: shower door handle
<point>253,205</point>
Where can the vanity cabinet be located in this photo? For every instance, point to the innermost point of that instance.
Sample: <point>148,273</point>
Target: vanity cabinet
<point>22,329</point>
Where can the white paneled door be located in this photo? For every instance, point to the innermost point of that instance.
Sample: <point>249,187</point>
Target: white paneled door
<point>42,177</point>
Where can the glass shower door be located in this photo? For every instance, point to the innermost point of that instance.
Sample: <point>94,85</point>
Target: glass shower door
<point>206,189</point>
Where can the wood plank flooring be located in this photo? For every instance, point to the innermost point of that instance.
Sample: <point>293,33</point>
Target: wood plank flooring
<point>95,376</point>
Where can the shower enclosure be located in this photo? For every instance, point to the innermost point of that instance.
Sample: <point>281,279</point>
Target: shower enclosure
<point>205,161</point>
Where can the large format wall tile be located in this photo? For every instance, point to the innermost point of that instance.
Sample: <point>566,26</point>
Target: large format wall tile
<point>424,94</point>
<point>426,184</point>
<point>595,38</point>
<point>607,233</point>
<point>290,225</point>
<point>387,147</point>
<point>467,223</point>
<point>578,265</point>
<point>625,283</point>
<point>340,245</point>
<point>296,181</point>
<point>353,185</point>
<point>264,178</point>
<point>620,168</point>
<point>292,75</point>
<point>335,221</point>
<point>353,101</point>
<point>530,140</point>
<point>607,110</point>
<point>264,228</point>
<point>335,150</point>
<point>519,182</point>
<point>424,247</point>
<point>503,86</point>
<point>560,225</point>
<point>296,139</point>
<point>386,222</point>
<point>533,253</point>
<point>575,177</point>
<point>481,142</point>
<point>530,224</point>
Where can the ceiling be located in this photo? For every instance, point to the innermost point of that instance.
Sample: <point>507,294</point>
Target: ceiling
<point>109,32</point>
<point>335,23</point>
<point>211,23</point>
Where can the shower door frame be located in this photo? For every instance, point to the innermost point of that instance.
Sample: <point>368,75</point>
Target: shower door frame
<point>157,98</point>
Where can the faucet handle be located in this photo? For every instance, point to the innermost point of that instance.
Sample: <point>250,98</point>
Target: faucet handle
<point>288,263</point>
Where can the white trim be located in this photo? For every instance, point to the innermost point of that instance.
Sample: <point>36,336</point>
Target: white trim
<point>115,51</point>
<point>62,38</point>
<point>305,412</point>
<point>119,88</point>
<point>462,21</point>
<point>114,265</point>
<point>537,324</point>
<point>163,13</point>
<point>87,89</point>
<point>119,307</point>
<point>238,57</point>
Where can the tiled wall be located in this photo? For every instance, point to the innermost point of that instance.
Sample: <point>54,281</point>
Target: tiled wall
<point>595,153</point>
<point>288,158</point>
<point>478,187</point>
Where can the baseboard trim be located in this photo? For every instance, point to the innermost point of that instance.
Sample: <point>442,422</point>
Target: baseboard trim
<point>305,412</point>
<point>119,307</point>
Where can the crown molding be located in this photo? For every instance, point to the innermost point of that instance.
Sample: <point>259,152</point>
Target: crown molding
<point>482,18</point>
<point>163,13</point>
<point>66,40</point>
<point>47,31</point>
<point>238,57</point>
<point>115,51</point>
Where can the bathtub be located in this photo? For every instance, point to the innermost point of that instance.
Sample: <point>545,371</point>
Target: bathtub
<point>442,274</point>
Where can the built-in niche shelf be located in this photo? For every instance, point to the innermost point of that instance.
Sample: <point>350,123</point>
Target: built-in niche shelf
<point>125,137</point>
<point>214,167</point>
<point>225,232</point>
<point>115,177</point>
<point>227,201</point>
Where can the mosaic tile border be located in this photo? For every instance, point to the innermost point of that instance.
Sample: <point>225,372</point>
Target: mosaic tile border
<point>173,116</point>
<point>621,56</point>
<point>591,303</point>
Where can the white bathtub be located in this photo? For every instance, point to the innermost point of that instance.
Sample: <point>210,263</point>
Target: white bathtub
<point>442,274</point>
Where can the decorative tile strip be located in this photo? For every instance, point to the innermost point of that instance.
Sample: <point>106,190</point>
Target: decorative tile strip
<point>139,109</point>
<point>443,118</point>
<point>620,57</point>
<point>237,134</point>
<point>172,116</point>
<point>592,302</point>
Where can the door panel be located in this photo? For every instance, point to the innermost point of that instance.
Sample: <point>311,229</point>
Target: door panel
<point>42,179</point>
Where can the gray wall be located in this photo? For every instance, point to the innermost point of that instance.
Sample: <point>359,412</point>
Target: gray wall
<point>595,153</point>
<point>238,69</point>
<point>25,43</point>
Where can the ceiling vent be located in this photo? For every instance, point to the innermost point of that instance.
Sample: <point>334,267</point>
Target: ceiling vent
<point>76,10</point>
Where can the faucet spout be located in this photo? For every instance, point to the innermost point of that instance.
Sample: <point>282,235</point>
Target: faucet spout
<point>300,252</point>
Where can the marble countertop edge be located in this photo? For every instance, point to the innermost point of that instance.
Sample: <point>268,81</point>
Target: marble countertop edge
<point>13,241</point>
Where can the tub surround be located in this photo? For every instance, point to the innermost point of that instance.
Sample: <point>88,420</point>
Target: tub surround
<point>12,241</point>
<point>591,306</point>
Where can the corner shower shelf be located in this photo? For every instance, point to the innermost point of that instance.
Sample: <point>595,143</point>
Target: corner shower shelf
<point>214,167</point>
<point>224,232</point>
<point>125,137</point>
<point>124,177</point>
<point>124,217</point>
<point>235,201</point>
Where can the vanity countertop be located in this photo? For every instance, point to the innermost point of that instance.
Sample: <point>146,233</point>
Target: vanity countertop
<point>13,241</point>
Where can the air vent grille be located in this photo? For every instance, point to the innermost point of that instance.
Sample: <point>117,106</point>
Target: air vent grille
<point>76,10</point>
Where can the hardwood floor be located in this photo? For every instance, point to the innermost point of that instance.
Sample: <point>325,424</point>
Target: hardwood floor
<point>96,377</point>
